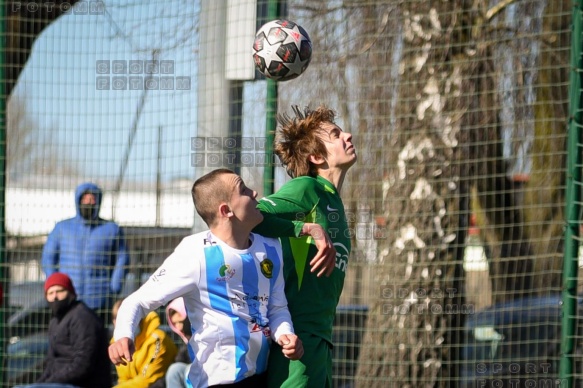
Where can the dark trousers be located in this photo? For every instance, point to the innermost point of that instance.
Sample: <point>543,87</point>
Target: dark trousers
<point>255,381</point>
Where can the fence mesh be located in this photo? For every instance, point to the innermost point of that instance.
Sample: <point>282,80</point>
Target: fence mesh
<point>459,111</point>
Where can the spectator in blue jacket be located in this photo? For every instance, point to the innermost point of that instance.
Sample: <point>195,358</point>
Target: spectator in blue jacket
<point>91,250</point>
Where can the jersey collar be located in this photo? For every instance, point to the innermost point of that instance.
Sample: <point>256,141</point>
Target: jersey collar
<point>328,186</point>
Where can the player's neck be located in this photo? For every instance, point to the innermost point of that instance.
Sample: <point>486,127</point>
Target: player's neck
<point>234,239</point>
<point>335,176</point>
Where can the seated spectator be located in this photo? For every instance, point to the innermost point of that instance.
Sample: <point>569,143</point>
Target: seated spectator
<point>179,323</point>
<point>77,355</point>
<point>154,353</point>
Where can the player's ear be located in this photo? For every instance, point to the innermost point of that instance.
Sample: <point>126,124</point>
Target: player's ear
<point>225,210</point>
<point>316,160</point>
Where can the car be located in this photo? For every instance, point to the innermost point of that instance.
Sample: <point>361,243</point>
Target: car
<point>24,358</point>
<point>27,309</point>
<point>514,344</point>
<point>28,321</point>
<point>349,326</point>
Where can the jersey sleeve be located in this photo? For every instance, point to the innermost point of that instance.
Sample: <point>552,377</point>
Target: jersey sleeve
<point>178,275</point>
<point>284,212</point>
<point>277,310</point>
<point>275,226</point>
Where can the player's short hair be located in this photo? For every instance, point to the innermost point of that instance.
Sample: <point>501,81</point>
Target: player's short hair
<point>208,192</point>
<point>297,138</point>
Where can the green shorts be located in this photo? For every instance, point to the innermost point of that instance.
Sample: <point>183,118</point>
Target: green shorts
<point>313,370</point>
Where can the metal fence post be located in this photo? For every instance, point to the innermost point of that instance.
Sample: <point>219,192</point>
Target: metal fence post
<point>572,204</point>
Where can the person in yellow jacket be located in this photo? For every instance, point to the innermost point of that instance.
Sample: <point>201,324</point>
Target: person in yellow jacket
<point>155,351</point>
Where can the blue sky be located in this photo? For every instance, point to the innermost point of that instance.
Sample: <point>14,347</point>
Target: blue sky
<point>59,85</point>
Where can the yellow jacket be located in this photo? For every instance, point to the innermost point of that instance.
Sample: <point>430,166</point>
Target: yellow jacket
<point>155,351</point>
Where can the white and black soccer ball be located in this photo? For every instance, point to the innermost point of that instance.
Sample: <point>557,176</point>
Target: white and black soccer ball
<point>282,50</point>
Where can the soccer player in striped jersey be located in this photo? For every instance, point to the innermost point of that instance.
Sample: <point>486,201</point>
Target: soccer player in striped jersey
<point>231,281</point>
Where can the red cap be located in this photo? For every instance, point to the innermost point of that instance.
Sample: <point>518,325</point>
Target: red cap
<point>59,279</point>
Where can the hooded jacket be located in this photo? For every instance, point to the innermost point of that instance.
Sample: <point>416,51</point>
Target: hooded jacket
<point>178,306</point>
<point>92,252</point>
<point>185,353</point>
<point>155,351</point>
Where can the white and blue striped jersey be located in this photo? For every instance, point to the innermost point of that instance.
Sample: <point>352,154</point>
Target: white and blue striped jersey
<point>234,299</point>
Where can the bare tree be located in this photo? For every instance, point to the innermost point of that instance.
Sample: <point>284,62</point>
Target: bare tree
<point>29,150</point>
<point>25,21</point>
<point>422,86</point>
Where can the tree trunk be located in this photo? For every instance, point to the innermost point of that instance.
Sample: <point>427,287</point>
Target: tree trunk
<point>408,337</point>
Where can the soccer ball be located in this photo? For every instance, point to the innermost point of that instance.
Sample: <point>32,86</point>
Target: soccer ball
<point>282,50</point>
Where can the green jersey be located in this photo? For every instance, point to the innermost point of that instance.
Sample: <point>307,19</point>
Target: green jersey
<point>311,300</point>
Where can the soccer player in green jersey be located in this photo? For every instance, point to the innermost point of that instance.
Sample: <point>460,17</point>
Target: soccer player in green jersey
<point>317,155</point>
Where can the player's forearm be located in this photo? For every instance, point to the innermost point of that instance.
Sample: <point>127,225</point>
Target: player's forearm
<point>275,226</point>
<point>129,316</point>
<point>280,321</point>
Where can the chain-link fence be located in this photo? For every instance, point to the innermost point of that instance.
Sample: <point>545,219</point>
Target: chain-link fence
<point>458,204</point>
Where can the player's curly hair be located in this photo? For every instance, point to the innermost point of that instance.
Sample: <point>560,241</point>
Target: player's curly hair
<point>297,139</point>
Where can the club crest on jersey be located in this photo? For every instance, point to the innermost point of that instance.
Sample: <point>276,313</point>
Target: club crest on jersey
<point>267,268</point>
<point>226,273</point>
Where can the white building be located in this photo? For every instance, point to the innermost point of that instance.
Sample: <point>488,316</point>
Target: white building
<point>153,222</point>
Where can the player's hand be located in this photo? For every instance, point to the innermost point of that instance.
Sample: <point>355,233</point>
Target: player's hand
<point>121,351</point>
<point>291,346</point>
<point>325,259</point>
